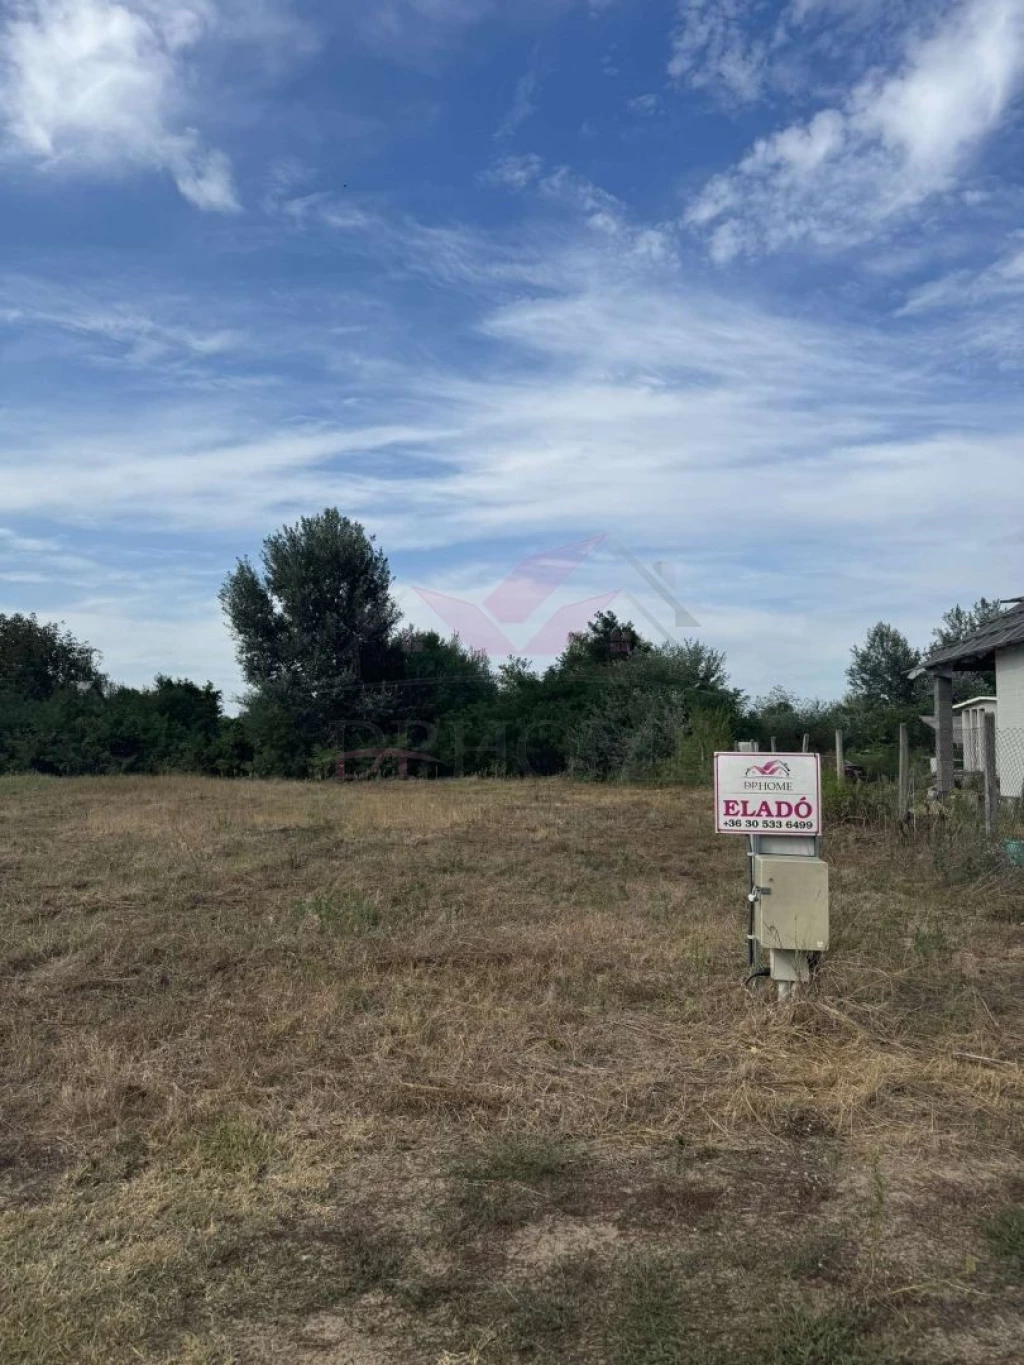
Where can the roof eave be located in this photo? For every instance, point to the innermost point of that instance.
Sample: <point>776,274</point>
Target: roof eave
<point>957,663</point>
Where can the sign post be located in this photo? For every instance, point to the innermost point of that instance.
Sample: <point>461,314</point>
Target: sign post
<point>775,801</point>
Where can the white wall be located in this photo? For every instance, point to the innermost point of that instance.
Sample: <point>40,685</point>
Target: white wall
<point>1010,720</point>
<point>971,736</point>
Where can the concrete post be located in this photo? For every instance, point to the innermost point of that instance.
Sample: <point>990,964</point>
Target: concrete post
<point>943,734</point>
<point>840,761</point>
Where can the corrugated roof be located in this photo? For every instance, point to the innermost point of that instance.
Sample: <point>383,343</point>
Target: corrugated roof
<point>977,649</point>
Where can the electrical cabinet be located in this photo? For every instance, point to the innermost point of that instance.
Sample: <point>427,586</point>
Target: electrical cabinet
<point>791,906</point>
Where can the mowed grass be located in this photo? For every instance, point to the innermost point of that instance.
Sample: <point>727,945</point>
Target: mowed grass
<point>466,1072</point>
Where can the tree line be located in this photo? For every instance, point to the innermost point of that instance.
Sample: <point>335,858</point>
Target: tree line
<point>331,670</point>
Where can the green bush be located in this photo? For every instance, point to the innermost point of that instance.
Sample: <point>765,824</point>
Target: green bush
<point>861,803</point>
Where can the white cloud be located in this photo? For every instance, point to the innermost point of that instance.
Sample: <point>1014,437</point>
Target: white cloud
<point>422,31</point>
<point>1003,279</point>
<point>515,172</point>
<point>155,334</point>
<point>602,212</point>
<point>712,49</point>
<point>616,388</point>
<point>978,310</point>
<point>893,143</point>
<point>401,26</point>
<point>158,624</point>
<point>13,543</point>
<point>524,105</point>
<point>97,86</point>
<point>742,51</point>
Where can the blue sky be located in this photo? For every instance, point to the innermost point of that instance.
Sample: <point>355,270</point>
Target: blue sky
<point>736,284</point>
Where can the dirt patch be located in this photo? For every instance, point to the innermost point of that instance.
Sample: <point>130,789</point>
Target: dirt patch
<point>326,1339</point>
<point>993,1342</point>
<point>553,1239</point>
<point>666,1202</point>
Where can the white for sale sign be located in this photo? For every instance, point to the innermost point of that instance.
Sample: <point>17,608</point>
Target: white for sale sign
<point>768,793</point>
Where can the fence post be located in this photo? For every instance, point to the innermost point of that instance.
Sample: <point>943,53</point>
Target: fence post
<point>806,746</point>
<point>943,734</point>
<point>774,749</point>
<point>904,788</point>
<point>840,764</point>
<point>991,777</point>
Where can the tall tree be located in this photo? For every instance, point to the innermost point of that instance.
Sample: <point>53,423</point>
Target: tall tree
<point>879,668</point>
<point>658,704</point>
<point>435,678</point>
<point>37,660</point>
<point>606,640</point>
<point>957,623</point>
<point>321,611</point>
<point>312,629</point>
<point>787,718</point>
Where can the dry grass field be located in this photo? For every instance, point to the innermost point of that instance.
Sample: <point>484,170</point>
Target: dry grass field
<point>466,1072</point>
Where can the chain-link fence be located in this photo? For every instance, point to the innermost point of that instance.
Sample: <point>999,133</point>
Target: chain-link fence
<point>1009,783</point>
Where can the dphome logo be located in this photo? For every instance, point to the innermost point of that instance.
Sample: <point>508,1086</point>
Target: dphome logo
<point>523,600</point>
<point>773,768</point>
<point>523,614</point>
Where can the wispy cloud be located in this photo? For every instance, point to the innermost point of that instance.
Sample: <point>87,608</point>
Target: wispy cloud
<point>515,172</point>
<point>13,543</point>
<point>125,330</point>
<point>976,308</point>
<point>426,32</point>
<point>617,386</point>
<point>418,29</point>
<point>1001,280</point>
<point>601,212</point>
<point>894,143</point>
<point>645,105</point>
<point>714,49</point>
<point>524,104</point>
<point>575,387</point>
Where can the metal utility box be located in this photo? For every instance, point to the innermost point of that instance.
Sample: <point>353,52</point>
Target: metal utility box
<point>791,909</point>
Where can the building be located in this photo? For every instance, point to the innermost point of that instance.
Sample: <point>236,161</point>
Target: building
<point>969,730</point>
<point>998,645</point>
